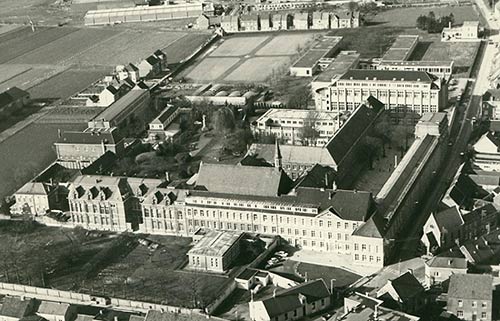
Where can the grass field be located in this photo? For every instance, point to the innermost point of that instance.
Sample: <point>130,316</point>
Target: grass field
<point>238,46</point>
<point>66,47</point>
<point>257,69</point>
<point>128,46</point>
<point>27,42</point>
<point>212,68</point>
<point>26,153</point>
<point>406,17</point>
<point>65,84</point>
<point>7,28</point>
<point>10,71</point>
<point>184,47</point>
<point>285,45</point>
<point>462,53</point>
<point>32,77</point>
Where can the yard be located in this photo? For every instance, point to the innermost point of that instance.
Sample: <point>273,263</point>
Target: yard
<point>211,69</point>
<point>406,17</point>
<point>284,45</point>
<point>258,69</point>
<point>239,46</point>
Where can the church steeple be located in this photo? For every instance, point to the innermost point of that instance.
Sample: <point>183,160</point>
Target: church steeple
<point>277,156</point>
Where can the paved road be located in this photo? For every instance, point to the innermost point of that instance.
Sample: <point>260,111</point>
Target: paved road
<point>460,134</point>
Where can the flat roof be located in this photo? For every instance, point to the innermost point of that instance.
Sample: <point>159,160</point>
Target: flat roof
<point>432,117</point>
<point>215,243</point>
<point>443,63</point>
<point>404,41</point>
<point>298,114</point>
<point>327,42</point>
<point>310,59</point>
<point>342,63</point>
<point>396,54</point>
<point>119,106</point>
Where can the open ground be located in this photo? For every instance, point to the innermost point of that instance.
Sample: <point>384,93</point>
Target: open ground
<point>249,58</point>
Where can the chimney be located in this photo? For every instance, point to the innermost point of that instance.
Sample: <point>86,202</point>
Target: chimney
<point>274,293</point>
<point>477,246</point>
<point>326,180</point>
<point>449,262</point>
<point>410,270</point>
<point>167,176</point>
<point>395,161</point>
<point>449,24</point>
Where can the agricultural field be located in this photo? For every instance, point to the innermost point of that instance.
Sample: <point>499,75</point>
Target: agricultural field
<point>285,44</point>
<point>10,71</point>
<point>124,48</point>
<point>67,83</point>
<point>27,153</point>
<point>31,77</point>
<point>406,17</point>
<point>248,58</point>
<point>7,28</point>
<point>238,46</point>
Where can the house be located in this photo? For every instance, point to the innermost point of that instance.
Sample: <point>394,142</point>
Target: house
<point>162,56</point>
<point>450,227</point>
<point>301,21</point>
<point>205,21</point>
<point>491,104</point>
<point>109,95</point>
<point>293,303</point>
<point>249,22</point>
<point>151,66</point>
<point>36,198</point>
<point>346,19</point>
<point>160,129</point>
<point>487,152</point>
<point>320,20</point>
<point>215,251</point>
<point>15,308</point>
<point>468,31</point>
<point>230,24</point>
<point>250,277</point>
<point>439,269</point>
<point>133,73</point>
<point>360,307</point>
<point>13,98</point>
<point>154,315</point>
<point>56,311</point>
<point>470,296</point>
<point>278,21</point>
<point>403,293</point>
<point>368,244</point>
<point>265,22</point>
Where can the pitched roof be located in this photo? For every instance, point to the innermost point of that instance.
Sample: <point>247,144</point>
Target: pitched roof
<point>35,188</point>
<point>15,307</point>
<point>53,308</point>
<point>449,219</point>
<point>154,315</point>
<point>390,75</point>
<point>289,300</point>
<point>373,227</point>
<point>318,176</point>
<point>11,95</point>
<point>243,180</point>
<point>215,243</point>
<point>152,60</point>
<point>447,262</point>
<point>91,136</point>
<point>471,286</point>
<point>165,114</point>
<point>407,286</point>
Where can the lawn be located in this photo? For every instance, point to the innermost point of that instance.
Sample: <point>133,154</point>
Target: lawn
<point>370,42</point>
<point>66,47</point>
<point>7,28</point>
<point>462,53</point>
<point>66,84</point>
<point>210,69</point>
<point>238,46</point>
<point>283,45</point>
<point>184,47</point>
<point>406,17</point>
<point>31,77</point>
<point>25,42</point>
<point>258,69</point>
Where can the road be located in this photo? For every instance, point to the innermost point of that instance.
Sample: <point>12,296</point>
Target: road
<point>460,134</point>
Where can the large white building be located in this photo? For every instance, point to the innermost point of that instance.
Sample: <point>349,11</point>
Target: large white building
<point>298,126</point>
<point>402,92</point>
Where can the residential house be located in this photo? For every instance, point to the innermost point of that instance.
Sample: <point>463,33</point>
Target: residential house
<point>160,128</point>
<point>249,22</point>
<point>250,277</point>
<point>278,21</point>
<point>487,152</point>
<point>439,269</point>
<point>230,24</point>
<point>56,311</point>
<point>215,251</point>
<point>293,303</point>
<point>368,244</point>
<point>360,307</point>
<point>36,198</point>
<point>347,19</point>
<point>470,296</point>
<point>133,73</point>
<point>320,20</point>
<point>151,66</point>
<point>265,20</point>
<point>15,308</point>
<point>205,21</point>
<point>13,99</point>
<point>490,104</point>
<point>162,56</point>
<point>468,31</point>
<point>301,21</point>
<point>403,293</point>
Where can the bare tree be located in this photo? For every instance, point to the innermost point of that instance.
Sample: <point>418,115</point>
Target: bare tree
<point>308,132</point>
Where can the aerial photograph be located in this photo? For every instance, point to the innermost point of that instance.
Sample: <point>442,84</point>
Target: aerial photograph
<point>249,160</point>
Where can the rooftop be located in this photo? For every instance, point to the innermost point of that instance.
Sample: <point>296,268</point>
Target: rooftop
<point>15,307</point>
<point>447,262</point>
<point>471,286</point>
<point>310,59</point>
<point>121,105</point>
<point>432,118</point>
<point>91,136</point>
<point>301,114</point>
<point>344,61</point>
<point>215,243</point>
<point>53,308</point>
<point>387,75</point>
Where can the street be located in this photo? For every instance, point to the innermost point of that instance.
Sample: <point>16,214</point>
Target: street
<point>460,134</point>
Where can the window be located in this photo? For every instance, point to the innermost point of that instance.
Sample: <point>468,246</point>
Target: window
<point>460,313</point>
<point>460,303</point>
<point>484,304</point>
<point>483,315</point>
<point>474,304</point>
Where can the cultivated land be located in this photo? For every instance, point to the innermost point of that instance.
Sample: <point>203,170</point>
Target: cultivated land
<point>406,17</point>
<point>105,263</point>
<point>246,58</point>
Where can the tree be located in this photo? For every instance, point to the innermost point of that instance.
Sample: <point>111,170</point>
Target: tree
<point>352,6</point>
<point>422,22</point>
<point>300,98</point>
<point>183,158</point>
<point>308,132</point>
<point>224,120</point>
